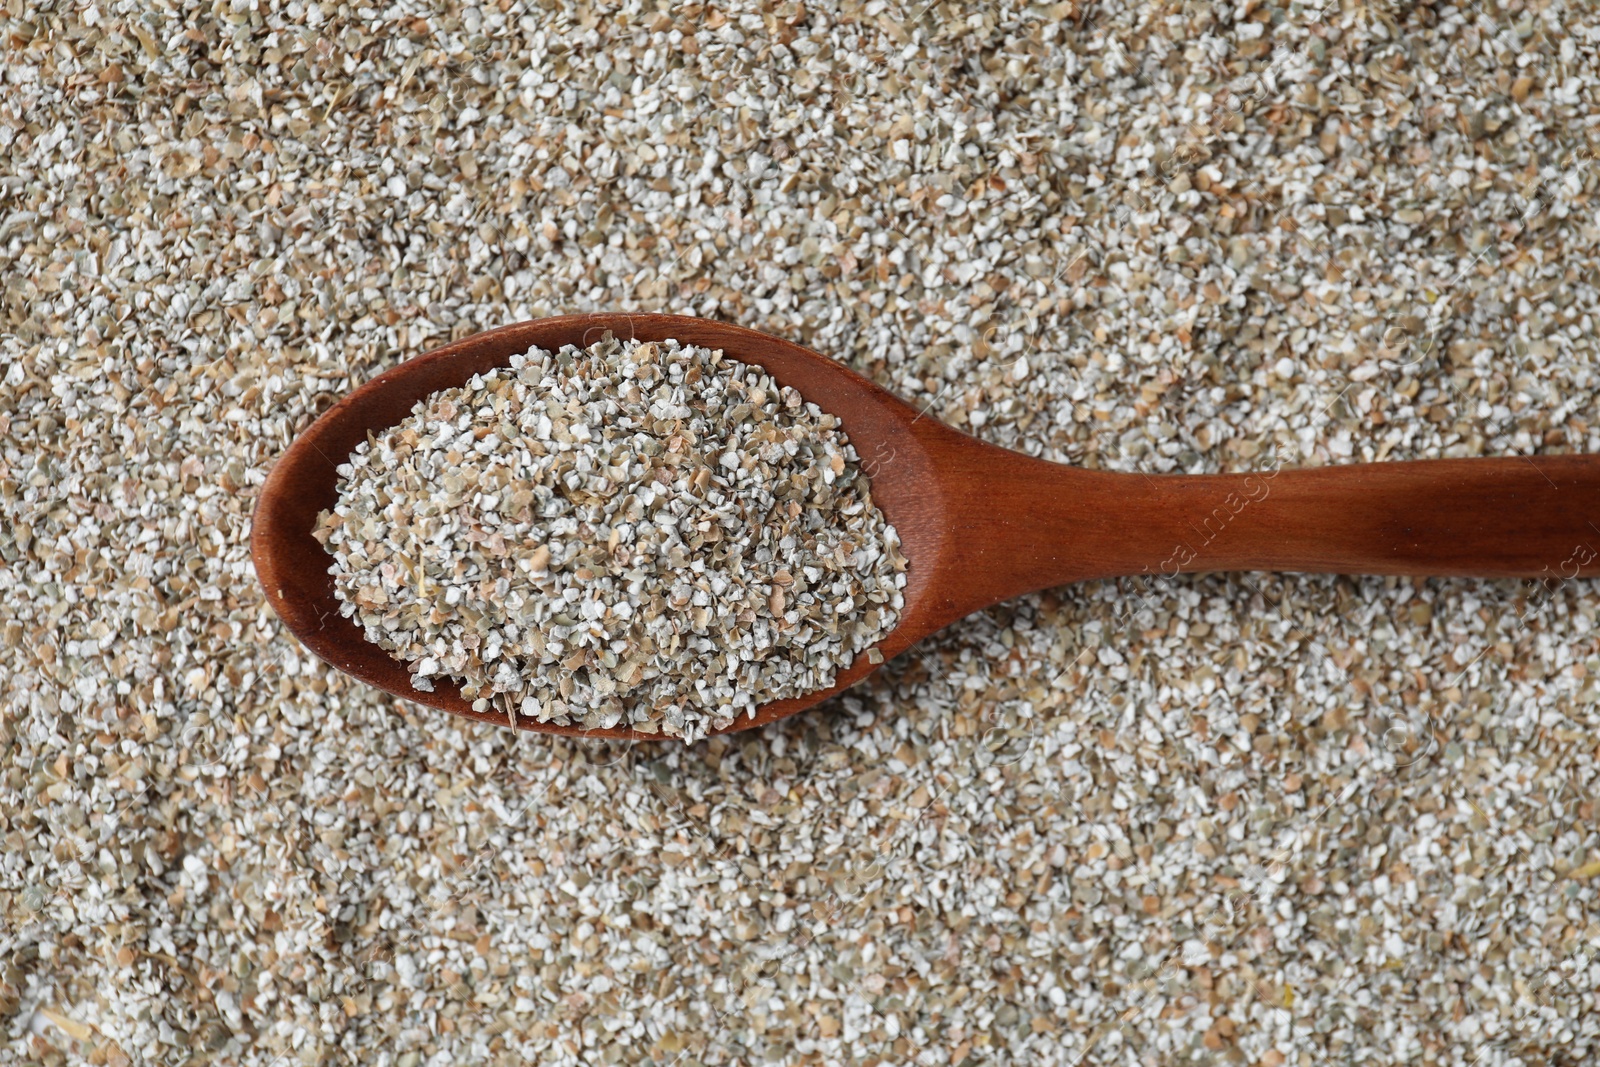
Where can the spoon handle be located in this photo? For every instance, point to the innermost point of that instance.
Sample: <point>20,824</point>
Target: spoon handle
<point>1535,517</point>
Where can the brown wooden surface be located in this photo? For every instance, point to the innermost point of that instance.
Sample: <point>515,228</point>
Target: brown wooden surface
<point>980,523</point>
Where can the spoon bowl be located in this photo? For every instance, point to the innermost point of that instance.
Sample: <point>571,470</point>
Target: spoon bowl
<point>898,446</point>
<point>978,523</point>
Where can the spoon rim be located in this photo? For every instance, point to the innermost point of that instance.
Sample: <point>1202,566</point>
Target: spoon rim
<point>304,481</point>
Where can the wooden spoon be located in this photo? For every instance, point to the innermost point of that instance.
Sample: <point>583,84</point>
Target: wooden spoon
<point>979,523</point>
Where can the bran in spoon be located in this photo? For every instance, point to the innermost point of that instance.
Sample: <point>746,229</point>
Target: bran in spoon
<point>645,534</point>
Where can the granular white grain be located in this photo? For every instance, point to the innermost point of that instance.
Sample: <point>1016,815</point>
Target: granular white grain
<point>638,533</point>
<point>1275,820</point>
